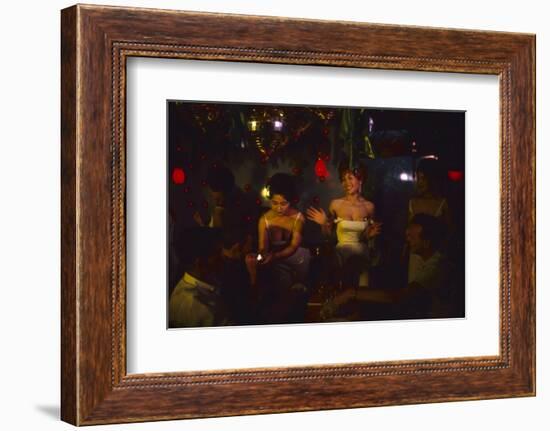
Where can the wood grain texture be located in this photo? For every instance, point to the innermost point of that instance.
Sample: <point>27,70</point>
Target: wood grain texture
<point>96,41</point>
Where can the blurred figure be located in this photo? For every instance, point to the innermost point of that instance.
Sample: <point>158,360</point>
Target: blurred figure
<point>223,192</point>
<point>196,300</point>
<point>424,237</point>
<point>429,198</point>
<point>231,206</point>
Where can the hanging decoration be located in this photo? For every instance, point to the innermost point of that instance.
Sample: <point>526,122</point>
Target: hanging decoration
<point>212,124</point>
<point>267,130</point>
<point>455,175</point>
<point>356,131</point>
<point>321,170</point>
<point>325,114</point>
<point>178,176</point>
<point>206,115</point>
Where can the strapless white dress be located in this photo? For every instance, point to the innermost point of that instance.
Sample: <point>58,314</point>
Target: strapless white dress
<point>349,234</point>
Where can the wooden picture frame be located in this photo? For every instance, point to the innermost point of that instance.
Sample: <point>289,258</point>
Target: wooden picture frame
<point>95,43</point>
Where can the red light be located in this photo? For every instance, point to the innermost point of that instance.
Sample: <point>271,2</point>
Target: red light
<point>321,169</point>
<point>455,175</point>
<point>178,176</point>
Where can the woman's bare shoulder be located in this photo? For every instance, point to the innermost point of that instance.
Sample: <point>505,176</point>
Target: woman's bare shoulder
<point>368,205</point>
<point>293,211</point>
<point>268,215</point>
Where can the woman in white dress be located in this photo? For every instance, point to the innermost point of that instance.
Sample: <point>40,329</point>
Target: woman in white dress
<point>353,218</point>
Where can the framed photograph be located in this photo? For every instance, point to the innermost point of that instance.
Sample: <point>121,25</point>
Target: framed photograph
<point>266,215</point>
<point>312,214</point>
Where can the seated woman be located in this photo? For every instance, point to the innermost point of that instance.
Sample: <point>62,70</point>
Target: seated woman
<point>282,265</point>
<point>352,215</point>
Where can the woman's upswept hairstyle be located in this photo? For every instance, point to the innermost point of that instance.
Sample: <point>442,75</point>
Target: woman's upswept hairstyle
<point>284,185</point>
<point>358,171</point>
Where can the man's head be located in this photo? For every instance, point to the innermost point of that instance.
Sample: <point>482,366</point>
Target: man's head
<point>424,234</point>
<point>202,248</point>
<point>221,183</point>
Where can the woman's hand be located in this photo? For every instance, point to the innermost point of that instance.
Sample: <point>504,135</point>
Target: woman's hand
<point>373,229</point>
<point>251,260</point>
<point>267,257</point>
<point>317,215</point>
<point>198,219</point>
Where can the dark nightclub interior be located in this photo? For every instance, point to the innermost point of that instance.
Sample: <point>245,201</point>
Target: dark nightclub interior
<point>308,214</point>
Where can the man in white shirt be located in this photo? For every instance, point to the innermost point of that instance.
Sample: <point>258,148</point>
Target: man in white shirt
<point>425,263</point>
<point>428,269</point>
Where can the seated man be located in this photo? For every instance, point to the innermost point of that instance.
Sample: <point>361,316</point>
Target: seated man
<point>426,275</point>
<point>428,268</point>
<point>195,301</point>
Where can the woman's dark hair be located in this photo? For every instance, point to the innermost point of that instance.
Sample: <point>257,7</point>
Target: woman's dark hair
<point>358,171</point>
<point>431,168</point>
<point>434,174</point>
<point>284,185</point>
